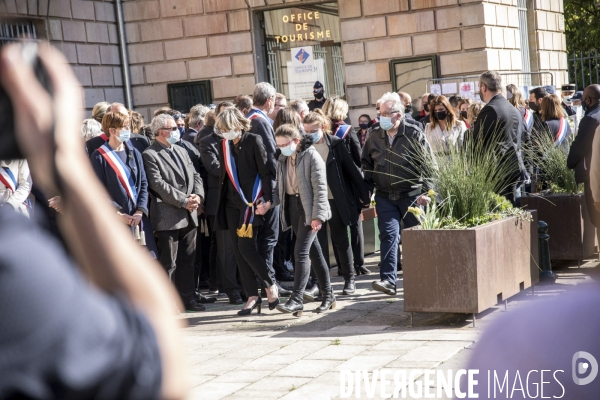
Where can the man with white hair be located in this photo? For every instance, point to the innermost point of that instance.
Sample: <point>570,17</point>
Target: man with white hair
<point>300,107</point>
<point>390,170</point>
<point>196,122</point>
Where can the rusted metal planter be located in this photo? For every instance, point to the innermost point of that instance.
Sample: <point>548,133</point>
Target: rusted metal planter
<point>471,270</point>
<point>572,234</point>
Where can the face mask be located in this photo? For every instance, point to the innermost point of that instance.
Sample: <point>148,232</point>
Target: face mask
<point>318,94</point>
<point>289,149</point>
<point>408,108</point>
<point>316,136</point>
<point>584,106</point>
<point>174,137</point>
<point>533,106</point>
<point>363,126</point>
<point>568,100</point>
<point>463,114</point>
<point>441,115</point>
<point>124,135</point>
<point>231,135</point>
<point>181,130</point>
<point>386,123</point>
<point>426,107</point>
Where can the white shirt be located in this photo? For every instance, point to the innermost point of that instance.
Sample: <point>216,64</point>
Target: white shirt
<point>440,141</point>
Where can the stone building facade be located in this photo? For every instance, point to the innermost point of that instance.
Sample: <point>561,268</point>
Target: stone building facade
<point>174,41</point>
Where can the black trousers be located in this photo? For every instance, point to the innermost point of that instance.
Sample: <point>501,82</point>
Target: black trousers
<point>250,261</point>
<point>357,242</point>
<point>268,233</point>
<point>340,242</point>
<point>204,267</point>
<point>227,270</point>
<point>283,251</point>
<point>307,251</point>
<point>177,251</point>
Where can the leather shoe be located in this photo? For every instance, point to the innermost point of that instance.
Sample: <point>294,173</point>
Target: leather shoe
<point>384,287</point>
<point>282,291</point>
<point>204,299</point>
<point>235,298</point>
<point>349,287</point>
<point>194,306</point>
<point>311,294</point>
<point>362,270</point>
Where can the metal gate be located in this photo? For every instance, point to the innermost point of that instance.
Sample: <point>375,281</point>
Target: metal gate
<point>583,68</point>
<point>13,31</point>
<point>452,85</point>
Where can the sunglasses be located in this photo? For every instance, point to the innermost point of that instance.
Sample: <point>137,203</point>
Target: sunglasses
<point>178,116</point>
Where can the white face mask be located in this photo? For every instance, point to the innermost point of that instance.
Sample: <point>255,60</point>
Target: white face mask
<point>231,135</point>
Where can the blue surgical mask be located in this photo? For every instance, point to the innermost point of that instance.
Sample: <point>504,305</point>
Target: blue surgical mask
<point>386,123</point>
<point>124,135</point>
<point>174,137</point>
<point>289,149</point>
<point>181,130</point>
<point>316,136</point>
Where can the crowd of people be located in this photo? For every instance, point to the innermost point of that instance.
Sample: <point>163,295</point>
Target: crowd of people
<point>235,198</point>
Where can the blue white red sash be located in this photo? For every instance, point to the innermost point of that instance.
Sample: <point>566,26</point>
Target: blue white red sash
<point>256,113</point>
<point>562,131</point>
<point>104,137</point>
<point>528,118</point>
<point>121,170</point>
<point>257,192</point>
<point>342,131</point>
<point>7,178</point>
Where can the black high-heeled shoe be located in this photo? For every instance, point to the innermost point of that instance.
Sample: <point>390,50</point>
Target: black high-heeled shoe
<point>247,311</point>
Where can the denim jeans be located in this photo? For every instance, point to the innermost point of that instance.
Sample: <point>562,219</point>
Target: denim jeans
<point>389,215</point>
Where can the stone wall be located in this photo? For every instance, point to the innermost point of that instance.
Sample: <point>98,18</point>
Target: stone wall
<point>86,32</point>
<point>188,40</point>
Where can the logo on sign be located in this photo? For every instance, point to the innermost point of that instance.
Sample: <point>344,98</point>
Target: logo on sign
<point>302,56</point>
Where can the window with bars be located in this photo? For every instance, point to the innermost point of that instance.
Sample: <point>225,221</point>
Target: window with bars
<point>18,31</point>
<point>524,37</point>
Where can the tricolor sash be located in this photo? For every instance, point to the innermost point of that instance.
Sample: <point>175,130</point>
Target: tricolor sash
<point>121,170</point>
<point>342,131</point>
<point>7,178</point>
<point>562,131</point>
<point>528,118</point>
<point>255,113</point>
<point>104,137</point>
<point>257,192</point>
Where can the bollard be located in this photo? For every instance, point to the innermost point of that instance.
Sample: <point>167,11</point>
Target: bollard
<point>544,252</point>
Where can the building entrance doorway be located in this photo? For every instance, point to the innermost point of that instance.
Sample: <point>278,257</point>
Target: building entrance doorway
<point>302,45</point>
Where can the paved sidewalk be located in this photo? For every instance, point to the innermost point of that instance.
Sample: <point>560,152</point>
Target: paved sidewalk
<point>278,356</point>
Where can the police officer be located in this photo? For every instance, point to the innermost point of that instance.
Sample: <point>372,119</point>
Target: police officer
<point>319,100</point>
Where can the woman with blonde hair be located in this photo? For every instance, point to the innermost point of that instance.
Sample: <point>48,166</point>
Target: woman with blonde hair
<point>473,113</point>
<point>336,109</point>
<point>445,130</point>
<point>302,191</point>
<point>245,196</point>
<point>99,110</point>
<point>555,119</point>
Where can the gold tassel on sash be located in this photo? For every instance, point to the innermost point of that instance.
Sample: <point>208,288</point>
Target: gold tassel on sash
<point>245,231</point>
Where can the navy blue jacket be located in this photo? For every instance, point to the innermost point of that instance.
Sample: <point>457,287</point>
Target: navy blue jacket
<point>117,192</point>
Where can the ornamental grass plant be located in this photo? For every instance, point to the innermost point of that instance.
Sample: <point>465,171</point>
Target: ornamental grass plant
<point>469,179</point>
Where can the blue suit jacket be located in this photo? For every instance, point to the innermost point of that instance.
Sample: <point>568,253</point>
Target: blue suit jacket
<point>116,191</point>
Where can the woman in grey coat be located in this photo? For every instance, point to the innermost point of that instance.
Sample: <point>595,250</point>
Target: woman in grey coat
<point>302,191</point>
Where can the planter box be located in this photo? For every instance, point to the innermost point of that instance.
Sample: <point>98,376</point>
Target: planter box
<point>468,271</point>
<point>572,234</point>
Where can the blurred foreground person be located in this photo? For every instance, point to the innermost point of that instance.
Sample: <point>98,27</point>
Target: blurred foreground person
<point>109,334</point>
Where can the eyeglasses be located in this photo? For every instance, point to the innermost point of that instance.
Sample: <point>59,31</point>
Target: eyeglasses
<point>285,145</point>
<point>389,114</point>
<point>169,129</point>
<point>178,116</point>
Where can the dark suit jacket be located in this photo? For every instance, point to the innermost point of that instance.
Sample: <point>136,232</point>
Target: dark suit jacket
<point>351,142</point>
<point>204,132</point>
<point>502,121</point>
<point>252,160</point>
<point>580,154</point>
<point>190,135</point>
<point>209,153</point>
<point>262,128</point>
<point>139,142</point>
<point>116,191</point>
<point>411,120</point>
<point>170,187</point>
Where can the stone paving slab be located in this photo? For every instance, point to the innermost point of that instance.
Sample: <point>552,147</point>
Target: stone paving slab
<point>278,356</point>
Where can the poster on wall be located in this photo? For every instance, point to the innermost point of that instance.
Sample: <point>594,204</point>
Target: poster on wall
<point>303,71</point>
<point>449,88</point>
<point>435,89</point>
<point>467,90</point>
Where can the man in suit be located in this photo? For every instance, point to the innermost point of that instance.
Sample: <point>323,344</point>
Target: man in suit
<point>177,196</point>
<point>580,154</point>
<point>500,122</point>
<point>196,122</point>
<point>140,142</point>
